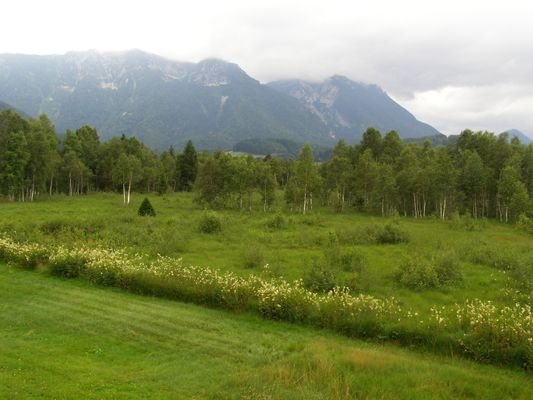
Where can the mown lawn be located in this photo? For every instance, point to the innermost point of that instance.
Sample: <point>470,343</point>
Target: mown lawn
<point>65,339</point>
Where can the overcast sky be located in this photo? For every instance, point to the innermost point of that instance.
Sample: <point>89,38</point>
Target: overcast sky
<point>453,64</point>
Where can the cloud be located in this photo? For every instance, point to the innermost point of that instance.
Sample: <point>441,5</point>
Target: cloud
<point>454,64</point>
<point>496,108</point>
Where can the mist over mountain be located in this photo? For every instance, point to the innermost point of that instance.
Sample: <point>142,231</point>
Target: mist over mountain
<point>215,103</point>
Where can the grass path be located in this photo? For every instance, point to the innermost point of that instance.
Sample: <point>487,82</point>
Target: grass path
<point>66,340</point>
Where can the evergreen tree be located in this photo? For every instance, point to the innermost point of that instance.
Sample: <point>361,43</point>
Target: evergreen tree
<point>187,167</point>
<point>146,208</point>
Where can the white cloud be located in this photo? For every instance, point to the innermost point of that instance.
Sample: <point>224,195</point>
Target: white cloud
<point>454,64</point>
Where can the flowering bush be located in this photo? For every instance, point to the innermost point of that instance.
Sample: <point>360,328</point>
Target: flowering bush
<point>28,255</point>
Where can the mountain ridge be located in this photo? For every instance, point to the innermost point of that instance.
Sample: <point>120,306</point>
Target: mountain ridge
<point>348,107</point>
<point>165,102</point>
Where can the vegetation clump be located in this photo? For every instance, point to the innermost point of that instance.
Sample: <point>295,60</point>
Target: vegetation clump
<point>253,257</point>
<point>210,223</point>
<point>420,273</point>
<point>390,233</point>
<point>277,222</point>
<point>525,223</point>
<point>146,208</point>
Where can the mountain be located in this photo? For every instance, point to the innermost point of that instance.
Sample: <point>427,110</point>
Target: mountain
<point>215,103</point>
<point>4,106</point>
<point>162,102</point>
<point>348,108</point>
<point>524,139</point>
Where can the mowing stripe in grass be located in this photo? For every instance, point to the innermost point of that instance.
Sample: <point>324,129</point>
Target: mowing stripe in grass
<point>66,339</point>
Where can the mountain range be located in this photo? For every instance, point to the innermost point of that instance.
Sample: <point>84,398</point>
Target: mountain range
<point>213,102</point>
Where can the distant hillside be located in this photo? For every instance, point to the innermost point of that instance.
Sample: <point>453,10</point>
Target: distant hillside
<point>4,106</point>
<point>160,101</point>
<point>348,108</point>
<point>213,102</point>
<point>282,148</point>
<point>524,139</point>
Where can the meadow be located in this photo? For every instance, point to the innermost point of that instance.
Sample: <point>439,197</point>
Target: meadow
<point>279,244</point>
<point>458,286</point>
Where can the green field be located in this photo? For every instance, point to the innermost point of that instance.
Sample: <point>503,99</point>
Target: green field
<point>102,220</point>
<point>66,339</point>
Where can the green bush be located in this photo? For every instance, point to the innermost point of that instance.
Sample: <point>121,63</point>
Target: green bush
<point>253,258</point>
<point>277,222</point>
<point>447,269</point>
<point>420,272</point>
<point>319,278</point>
<point>146,208</point>
<point>53,227</point>
<point>210,223</point>
<point>525,223</point>
<point>347,260</point>
<point>392,233</point>
<point>68,267</point>
<point>466,222</point>
<point>417,273</point>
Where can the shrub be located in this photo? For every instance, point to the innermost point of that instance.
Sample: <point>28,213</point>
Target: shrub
<point>210,223</point>
<point>67,263</point>
<point>447,269</point>
<point>53,227</point>
<point>146,208</point>
<point>417,273</point>
<point>319,278</point>
<point>277,222</point>
<point>346,260</point>
<point>253,258</point>
<point>525,223</point>
<point>429,272</point>
<point>392,233</point>
<point>466,222</point>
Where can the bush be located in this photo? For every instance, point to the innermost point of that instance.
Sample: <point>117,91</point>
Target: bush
<point>253,258</point>
<point>277,222</point>
<point>67,267</point>
<point>319,278</point>
<point>146,208</point>
<point>525,223</point>
<point>53,227</point>
<point>210,223</point>
<point>419,273</point>
<point>466,222</point>
<point>447,269</point>
<point>347,260</point>
<point>392,233</point>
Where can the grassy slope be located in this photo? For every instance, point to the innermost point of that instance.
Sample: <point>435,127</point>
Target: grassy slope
<point>64,339</point>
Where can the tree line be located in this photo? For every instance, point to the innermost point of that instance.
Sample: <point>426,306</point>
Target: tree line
<point>34,161</point>
<point>481,173</point>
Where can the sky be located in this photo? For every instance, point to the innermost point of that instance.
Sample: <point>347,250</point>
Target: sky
<point>453,64</point>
